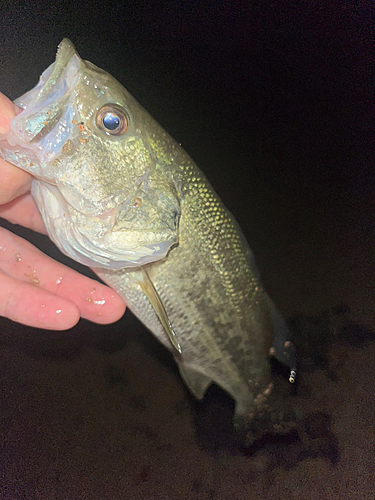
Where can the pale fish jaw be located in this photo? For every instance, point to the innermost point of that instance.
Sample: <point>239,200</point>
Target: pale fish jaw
<point>38,158</point>
<point>40,106</point>
<point>53,75</point>
<point>45,116</point>
<point>24,100</point>
<point>90,252</point>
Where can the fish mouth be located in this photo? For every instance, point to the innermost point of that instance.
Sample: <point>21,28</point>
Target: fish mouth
<point>51,83</point>
<point>44,108</point>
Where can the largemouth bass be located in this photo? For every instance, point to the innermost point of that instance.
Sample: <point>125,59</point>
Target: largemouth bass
<point>118,194</point>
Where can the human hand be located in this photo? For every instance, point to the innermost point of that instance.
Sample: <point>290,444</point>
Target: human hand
<point>35,289</point>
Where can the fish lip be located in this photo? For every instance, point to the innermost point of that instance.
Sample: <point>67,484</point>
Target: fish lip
<point>27,143</point>
<point>43,106</point>
<point>65,52</point>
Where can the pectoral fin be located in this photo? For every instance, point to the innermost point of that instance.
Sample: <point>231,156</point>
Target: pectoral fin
<point>153,296</point>
<point>196,382</point>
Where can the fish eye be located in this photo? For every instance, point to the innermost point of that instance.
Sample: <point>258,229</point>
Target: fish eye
<point>112,119</point>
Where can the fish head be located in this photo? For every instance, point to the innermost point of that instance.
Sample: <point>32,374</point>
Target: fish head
<point>100,164</point>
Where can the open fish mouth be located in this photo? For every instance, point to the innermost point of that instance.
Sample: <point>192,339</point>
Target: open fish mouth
<point>38,134</point>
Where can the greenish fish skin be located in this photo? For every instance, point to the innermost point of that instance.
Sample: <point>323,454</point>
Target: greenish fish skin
<point>138,210</point>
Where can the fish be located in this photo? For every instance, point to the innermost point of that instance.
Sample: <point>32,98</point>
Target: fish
<point>119,195</point>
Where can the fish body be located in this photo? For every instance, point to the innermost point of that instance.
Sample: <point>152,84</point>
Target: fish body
<point>118,194</point>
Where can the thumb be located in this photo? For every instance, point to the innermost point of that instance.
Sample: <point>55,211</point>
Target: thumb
<point>7,112</point>
<point>14,181</point>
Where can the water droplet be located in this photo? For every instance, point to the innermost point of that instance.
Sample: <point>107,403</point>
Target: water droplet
<point>42,305</point>
<point>18,257</point>
<point>58,281</point>
<point>58,311</point>
<point>99,302</point>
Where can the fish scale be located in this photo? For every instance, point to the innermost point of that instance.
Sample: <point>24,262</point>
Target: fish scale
<point>217,304</point>
<point>125,199</point>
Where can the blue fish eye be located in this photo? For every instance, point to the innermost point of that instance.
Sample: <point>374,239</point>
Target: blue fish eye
<point>112,119</point>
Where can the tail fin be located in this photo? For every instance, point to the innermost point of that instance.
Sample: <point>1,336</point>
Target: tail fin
<point>272,414</point>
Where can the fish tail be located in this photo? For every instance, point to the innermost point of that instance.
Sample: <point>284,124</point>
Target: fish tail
<point>270,414</point>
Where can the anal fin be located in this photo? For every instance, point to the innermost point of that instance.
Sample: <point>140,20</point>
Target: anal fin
<point>196,382</point>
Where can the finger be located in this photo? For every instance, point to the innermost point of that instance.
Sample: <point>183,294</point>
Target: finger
<point>8,112</point>
<point>14,182</point>
<point>21,260</point>
<point>33,306</point>
<point>24,211</point>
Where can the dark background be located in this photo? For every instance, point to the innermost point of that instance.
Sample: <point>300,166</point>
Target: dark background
<point>275,102</point>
